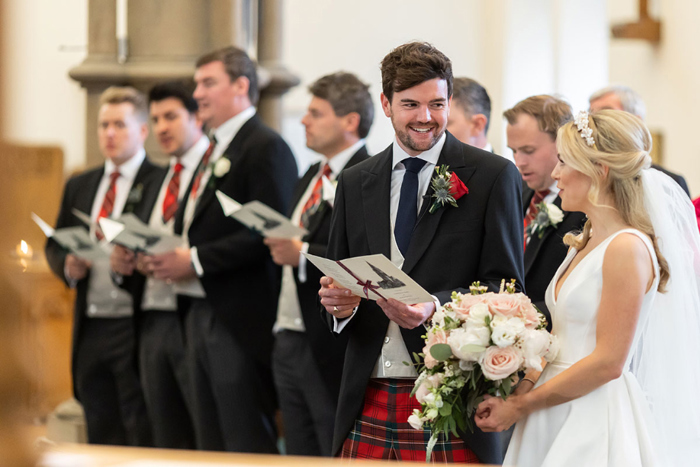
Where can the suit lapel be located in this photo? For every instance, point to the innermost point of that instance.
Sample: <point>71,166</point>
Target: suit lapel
<point>84,203</point>
<point>376,185</point>
<point>533,247</point>
<point>427,223</point>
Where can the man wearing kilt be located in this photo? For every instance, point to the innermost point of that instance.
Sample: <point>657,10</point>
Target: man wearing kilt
<point>382,206</point>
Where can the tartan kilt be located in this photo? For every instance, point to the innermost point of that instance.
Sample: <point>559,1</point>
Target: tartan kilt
<point>383,432</point>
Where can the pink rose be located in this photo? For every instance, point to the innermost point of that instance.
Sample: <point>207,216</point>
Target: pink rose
<point>530,314</point>
<point>428,383</point>
<point>465,303</point>
<point>499,363</point>
<point>434,337</point>
<point>507,305</point>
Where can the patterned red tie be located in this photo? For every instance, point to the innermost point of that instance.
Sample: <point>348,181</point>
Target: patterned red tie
<point>202,169</point>
<point>315,199</point>
<point>170,202</point>
<point>108,202</point>
<point>537,198</point>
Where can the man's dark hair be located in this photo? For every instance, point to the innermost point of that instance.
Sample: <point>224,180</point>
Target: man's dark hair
<point>412,64</point>
<point>236,63</point>
<point>179,90</point>
<point>346,94</point>
<point>473,98</point>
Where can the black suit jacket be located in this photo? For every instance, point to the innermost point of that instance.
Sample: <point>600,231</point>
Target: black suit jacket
<point>481,239</point>
<point>328,349</point>
<point>240,279</point>
<point>79,193</point>
<point>676,177</point>
<point>543,256</point>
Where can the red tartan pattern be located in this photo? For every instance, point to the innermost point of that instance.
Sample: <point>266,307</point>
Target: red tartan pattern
<point>383,432</point>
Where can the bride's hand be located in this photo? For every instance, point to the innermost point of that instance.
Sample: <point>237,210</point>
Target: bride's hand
<point>495,414</point>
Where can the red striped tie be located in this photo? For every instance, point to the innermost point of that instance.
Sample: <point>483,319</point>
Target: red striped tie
<point>315,197</point>
<point>537,198</point>
<point>108,202</point>
<point>170,202</point>
<point>202,169</point>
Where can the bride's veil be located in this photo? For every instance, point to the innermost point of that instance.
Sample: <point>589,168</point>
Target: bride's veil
<point>667,358</point>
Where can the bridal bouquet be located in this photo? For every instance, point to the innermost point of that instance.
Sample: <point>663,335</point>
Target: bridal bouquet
<point>476,345</point>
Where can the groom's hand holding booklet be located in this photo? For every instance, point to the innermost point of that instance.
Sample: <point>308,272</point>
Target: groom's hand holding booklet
<point>372,277</point>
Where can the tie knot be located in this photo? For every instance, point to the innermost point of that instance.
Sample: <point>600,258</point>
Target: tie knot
<point>540,195</point>
<point>114,176</point>
<point>178,168</point>
<point>413,164</point>
<point>327,171</point>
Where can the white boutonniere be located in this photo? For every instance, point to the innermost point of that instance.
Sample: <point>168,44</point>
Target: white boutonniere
<point>548,215</point>
<point>221,167</point>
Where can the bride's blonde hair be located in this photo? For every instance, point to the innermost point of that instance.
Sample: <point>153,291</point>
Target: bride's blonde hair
<point>621,143</point>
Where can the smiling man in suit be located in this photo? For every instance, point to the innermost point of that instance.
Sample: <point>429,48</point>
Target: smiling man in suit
<point>381,206</point>
<point>105,377</point>
<point>532,135</point>
<point>229,284</point>
<point>307,359</point>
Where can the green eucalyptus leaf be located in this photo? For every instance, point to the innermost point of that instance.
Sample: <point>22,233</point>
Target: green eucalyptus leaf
<point>441,352</point>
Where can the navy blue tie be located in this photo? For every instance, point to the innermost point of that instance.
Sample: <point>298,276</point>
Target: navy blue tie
<point>408,208</point>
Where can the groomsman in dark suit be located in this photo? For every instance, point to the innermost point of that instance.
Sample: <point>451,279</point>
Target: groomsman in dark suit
<point>105,374</point>
<point>532,133</point>
<point>162,363</point>
<point>619,97</point>
<point>307,358</point>
<point>228,284</point>
<point>381,206</point>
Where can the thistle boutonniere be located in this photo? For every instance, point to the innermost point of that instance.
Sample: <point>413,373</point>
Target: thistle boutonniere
<point>548,215</point>
<point>219,168</point>
<point>134,197</point>
<point>447,188</point>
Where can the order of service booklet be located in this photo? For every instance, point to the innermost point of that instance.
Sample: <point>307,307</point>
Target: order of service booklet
<point>372,277</point>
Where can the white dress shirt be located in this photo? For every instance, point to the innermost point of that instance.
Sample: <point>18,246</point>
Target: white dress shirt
<point>158,294</point>
<point>288,308</point>
<point>127,171</point>
<point>394,352</point>
<point>224,134</point>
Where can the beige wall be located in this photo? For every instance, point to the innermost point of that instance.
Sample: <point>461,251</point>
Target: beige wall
<point>668,78</point>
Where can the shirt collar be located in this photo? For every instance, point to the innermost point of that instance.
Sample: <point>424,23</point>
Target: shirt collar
<point>228,130</point>
<point>129,168</point>
<point>431,155</point>
<point>554,189</point>
<point>190,159</point>
<point>488,147</point>
<point>340,160</point>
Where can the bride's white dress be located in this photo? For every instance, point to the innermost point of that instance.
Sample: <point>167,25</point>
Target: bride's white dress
<point>611,426</point>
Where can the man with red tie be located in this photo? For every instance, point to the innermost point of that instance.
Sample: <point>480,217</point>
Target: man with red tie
<point>307,359</point>
<point>105,376</point>
<point>161,347</point>
<point>532,134</point>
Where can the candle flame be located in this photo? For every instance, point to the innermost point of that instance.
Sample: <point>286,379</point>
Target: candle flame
<point>24,247</point>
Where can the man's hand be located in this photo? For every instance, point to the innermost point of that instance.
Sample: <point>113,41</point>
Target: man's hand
<point>122,260</point>
<point>338,301</point>
<point>406,316</point>
<point>175,265</point>
<point>284,252</point>
<point>76,268</point>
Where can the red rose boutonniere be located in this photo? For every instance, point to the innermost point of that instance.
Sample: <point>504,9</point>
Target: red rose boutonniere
<point>447,188</point>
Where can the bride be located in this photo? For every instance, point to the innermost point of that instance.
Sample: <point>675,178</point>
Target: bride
<point>625,306</point>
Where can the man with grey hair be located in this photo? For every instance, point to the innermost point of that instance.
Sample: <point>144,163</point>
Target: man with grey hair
<point>307,359</point>
<point>470,114</point>
<point>618,97</point>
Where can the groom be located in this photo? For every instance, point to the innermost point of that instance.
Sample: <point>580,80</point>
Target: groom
<point>382,207</point>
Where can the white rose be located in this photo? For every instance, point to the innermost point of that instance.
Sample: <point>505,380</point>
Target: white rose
<point>535,345</point>
<point>469,344</point>
<point>221,167</point>
<point>506,331</point>
<point>477,314</point>
<point>555,214</point>
<point>438,318</point>
<point>415,420</point>
<point>553,350</point>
